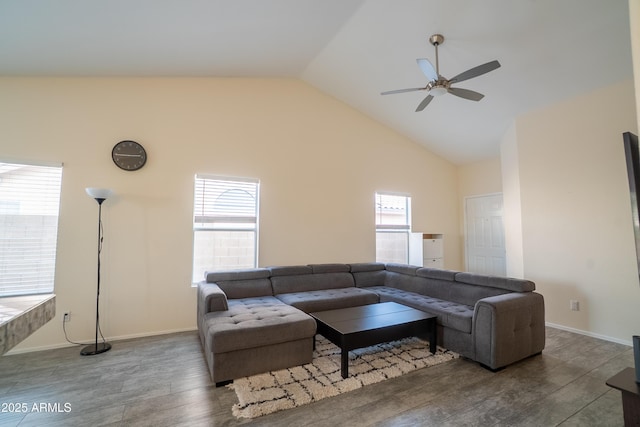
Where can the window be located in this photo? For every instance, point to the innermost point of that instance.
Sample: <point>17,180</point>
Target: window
<point>393,225</point>
<point>29,205</point>
<point>225,224</point>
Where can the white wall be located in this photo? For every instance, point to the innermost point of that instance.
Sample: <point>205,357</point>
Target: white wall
<point>319,162</point>
<point>576,218</point>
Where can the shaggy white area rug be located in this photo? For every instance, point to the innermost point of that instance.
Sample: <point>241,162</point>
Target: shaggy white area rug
<point>285,389</point>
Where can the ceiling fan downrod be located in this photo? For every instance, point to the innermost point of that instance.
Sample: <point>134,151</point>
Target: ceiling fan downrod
<point>436,40</point>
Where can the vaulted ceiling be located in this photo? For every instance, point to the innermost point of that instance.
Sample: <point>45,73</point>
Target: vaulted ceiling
<point>351,49</point>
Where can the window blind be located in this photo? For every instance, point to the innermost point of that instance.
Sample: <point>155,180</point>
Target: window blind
<point>220,202</point>
<point>29,206</point>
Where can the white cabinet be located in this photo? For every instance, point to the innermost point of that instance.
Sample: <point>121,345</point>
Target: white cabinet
<point>426,250</point>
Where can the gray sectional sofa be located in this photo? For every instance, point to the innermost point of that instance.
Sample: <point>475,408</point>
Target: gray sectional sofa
<point>256,320</point>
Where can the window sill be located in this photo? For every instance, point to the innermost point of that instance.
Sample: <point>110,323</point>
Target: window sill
<point>22,316</point>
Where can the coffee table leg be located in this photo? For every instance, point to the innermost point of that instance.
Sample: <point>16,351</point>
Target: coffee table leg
<point>433,336</point>
<point>344,367</point>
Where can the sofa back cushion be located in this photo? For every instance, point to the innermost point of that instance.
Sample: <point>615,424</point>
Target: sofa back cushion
<point>437,273</point>
<point>252,273</point>
<point>253,288</point>
<point>435,288</point>
<point>506,283</point>
<point>444,284</point>
<point>329,268</point>
<point>242,283</point>
<point>368,274</point>
<point>364,279</point>
<point>405,282</point>
<point>285,284</point>
<point>409,270</point>
<point>290,270</point>
<point>467,294</point>
<point>366,267</point>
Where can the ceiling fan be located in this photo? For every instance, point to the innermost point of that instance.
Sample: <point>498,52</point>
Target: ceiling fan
<point>438,85</point>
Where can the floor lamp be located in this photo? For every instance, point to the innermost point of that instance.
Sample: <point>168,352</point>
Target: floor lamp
<point>100,194</point>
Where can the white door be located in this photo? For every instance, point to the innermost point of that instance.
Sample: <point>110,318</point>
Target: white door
<point>484,235</point>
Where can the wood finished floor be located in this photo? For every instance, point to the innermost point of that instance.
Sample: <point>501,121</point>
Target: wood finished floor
<point>163,381</point>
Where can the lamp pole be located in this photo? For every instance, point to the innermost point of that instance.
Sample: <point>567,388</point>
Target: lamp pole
<point>100,195</point>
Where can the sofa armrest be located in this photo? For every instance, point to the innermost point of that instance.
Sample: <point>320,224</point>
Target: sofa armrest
<point>507,328</point>
<point>211,298</point>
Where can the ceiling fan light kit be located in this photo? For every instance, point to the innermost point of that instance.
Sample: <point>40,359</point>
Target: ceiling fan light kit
<point>438,88</point>
<point>439,85</point>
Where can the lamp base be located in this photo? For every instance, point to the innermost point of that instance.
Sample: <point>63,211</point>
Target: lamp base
<point>92,349</point>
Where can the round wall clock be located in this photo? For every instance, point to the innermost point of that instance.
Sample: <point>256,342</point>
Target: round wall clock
<point>129,155</point>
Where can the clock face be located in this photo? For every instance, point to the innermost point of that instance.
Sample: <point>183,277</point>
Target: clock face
<point>129,155</point>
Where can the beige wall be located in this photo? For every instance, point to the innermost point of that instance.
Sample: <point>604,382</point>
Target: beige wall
<point>510,165</point>
<point>319,162</point>
<point>483,177</point>
<point>576,218</point>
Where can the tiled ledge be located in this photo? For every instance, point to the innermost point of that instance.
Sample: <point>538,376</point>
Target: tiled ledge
<point>22,316</point>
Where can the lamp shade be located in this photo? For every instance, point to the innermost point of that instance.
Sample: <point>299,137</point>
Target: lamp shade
<point>99,193</point>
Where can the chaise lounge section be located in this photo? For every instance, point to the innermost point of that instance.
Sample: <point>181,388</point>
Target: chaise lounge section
<point>256,320</point>
<point>245,330</point>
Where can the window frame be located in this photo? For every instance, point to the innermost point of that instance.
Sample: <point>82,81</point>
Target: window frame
<point>384,228</point>
<point>228,223</point>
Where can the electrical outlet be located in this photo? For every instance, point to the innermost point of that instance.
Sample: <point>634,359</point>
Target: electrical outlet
<point>574,305</point>
<point>67,317</point>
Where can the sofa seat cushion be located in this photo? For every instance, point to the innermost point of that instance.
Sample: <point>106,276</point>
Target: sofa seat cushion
<point>329,299</point>
<point>255,322</point>
<point>450,314</point>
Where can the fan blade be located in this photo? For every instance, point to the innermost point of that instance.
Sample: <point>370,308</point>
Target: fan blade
<point>424,103</point>
<point>427,69</point>
<point>476,71</point>
<point>466,94</point>
<point>413,89</point>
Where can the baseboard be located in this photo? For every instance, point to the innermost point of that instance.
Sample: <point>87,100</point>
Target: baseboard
<point>175,331</point>
<point>150,334</point>
<point>89,341</point>
<point>589,334</point>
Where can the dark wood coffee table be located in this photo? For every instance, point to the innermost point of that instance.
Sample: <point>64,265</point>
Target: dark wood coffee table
<point>625,381</point>
<point>357,327</point>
